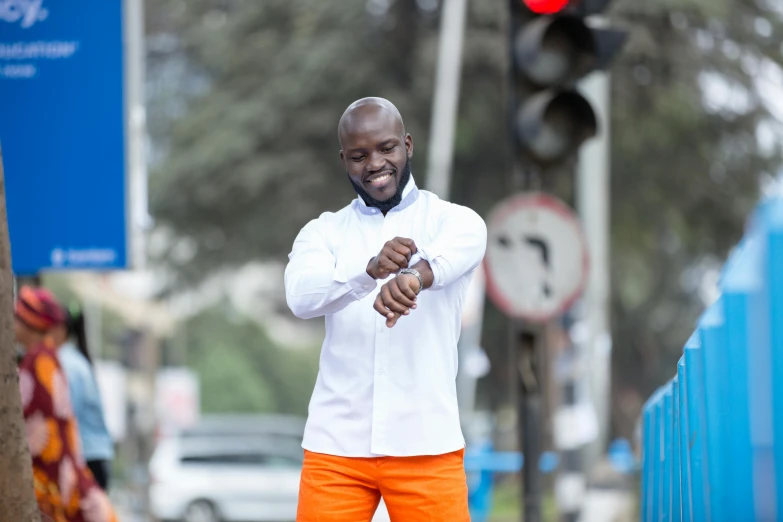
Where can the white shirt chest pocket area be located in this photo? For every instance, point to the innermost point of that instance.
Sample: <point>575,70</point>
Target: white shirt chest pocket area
<point>420,228</point>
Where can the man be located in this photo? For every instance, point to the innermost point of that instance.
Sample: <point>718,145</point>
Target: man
<point>389,272</point>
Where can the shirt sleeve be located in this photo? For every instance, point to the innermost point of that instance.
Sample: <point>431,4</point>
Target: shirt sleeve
<point>314,284</point>
<point>458,247</point>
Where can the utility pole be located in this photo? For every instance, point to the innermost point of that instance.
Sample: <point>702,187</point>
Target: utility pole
<point>440,158</point>
<point>446,98</point>
<point>593,202</point>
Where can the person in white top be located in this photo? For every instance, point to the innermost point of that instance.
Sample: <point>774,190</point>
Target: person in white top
<point>389,272</point>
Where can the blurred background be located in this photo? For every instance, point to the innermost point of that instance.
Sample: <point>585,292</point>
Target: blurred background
<point>198,355</point>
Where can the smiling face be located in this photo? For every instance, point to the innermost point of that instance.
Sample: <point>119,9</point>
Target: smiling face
<point>375,150</point>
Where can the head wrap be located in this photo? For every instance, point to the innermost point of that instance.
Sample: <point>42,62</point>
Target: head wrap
<point>38,309</point>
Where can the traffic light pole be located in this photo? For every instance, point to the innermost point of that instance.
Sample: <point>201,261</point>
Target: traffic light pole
<point>528,353</point>
<point>526,344</point>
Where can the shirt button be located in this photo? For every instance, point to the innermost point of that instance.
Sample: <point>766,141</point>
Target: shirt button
<point>381,372</point>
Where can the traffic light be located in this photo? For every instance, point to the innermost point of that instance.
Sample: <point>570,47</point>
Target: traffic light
<point>552,48</point>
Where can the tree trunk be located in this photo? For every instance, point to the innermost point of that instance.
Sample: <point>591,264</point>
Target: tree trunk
<point>17,497</point>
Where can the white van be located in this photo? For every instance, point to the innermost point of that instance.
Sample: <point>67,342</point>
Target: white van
<point>225,477</point>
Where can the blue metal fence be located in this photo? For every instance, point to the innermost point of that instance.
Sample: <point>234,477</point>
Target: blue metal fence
<point>709,451</point>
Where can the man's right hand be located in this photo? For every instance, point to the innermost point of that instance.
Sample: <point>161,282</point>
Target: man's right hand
<point>393,257</point>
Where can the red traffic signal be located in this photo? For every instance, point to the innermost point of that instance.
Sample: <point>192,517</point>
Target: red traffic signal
<point>546,6</point>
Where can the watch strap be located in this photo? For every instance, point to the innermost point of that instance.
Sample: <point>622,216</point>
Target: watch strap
<point>416,274</point>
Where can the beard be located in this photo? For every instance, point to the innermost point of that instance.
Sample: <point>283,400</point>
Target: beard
<point>388,204</point>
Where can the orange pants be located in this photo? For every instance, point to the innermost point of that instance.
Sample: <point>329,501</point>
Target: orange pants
<point>415,489</point>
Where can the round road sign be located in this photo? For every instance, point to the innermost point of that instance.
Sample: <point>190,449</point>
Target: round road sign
<point>537,260</point>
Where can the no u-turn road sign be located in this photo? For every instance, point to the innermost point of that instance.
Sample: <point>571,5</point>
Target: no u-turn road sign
<point>537,257</point>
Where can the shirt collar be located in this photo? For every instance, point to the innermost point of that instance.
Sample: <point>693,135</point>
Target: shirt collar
<point>409,194</point>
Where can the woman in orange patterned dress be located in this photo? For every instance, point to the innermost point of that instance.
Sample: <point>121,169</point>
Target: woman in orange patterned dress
<point>65,488</point>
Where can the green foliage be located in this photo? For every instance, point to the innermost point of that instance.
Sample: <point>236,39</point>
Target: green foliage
<point>245,97</point>
<point>684,177</point>
<point>229,383</point>
<point>259,147</point>
<point>242,370</point>
<point>112,327</point>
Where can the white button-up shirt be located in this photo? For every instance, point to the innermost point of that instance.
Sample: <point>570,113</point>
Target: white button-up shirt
<point>385,391</point>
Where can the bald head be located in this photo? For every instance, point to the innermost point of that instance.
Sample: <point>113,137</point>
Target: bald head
<point>366,113</point>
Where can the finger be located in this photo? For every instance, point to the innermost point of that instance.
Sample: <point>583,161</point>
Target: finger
<point>397,259</point>
<point>391,303</point>
<point>401,248</point>
<point>391,321</point>
<point>380,307</point>
<point>400,295</point>
<point>391,266</point>
<point>406,285</point>
<point>386,267</point>
<point>407,242</point>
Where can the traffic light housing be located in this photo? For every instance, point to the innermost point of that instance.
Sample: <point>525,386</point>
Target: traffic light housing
<point>550,53</point>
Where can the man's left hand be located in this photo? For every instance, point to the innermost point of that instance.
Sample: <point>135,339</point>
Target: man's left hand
<point>397,298</point>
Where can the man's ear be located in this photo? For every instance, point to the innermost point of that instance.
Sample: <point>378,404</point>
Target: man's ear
<point>409,145</point>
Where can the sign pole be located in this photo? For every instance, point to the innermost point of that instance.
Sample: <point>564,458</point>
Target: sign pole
<point>138,220</point>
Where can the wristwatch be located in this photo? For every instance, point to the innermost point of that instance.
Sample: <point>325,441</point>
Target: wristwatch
<point>416,273</point>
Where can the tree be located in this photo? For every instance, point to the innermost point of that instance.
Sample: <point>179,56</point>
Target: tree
<point>17,496</point>
<point>242,370</point>
<point>229,384</point>
<point>686,169</point>
<point>277,75</point>
<point>251,154</point>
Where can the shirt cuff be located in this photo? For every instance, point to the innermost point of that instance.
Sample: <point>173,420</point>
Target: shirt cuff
<point>430,256</point>
<point>354,274</point>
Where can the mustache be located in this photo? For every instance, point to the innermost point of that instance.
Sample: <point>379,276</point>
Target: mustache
<point>393,201</point>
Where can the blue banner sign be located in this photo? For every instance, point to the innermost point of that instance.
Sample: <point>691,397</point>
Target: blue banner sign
<point>62,133</point>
